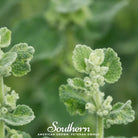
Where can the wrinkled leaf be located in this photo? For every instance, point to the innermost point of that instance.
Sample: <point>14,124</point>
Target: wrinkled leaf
<point>120,114</point>
<point>76,83</point>
<point>101,19</point>
<point>10,99</point>
<point>104,11</point>
<point>47,41</point>
<point>112,61</point>
<point>7,59</point>
<point>5,37</point>
<point>5,62</point>
<point>22,115</point>
<point>79,54</point>
<point>73,101</point>
<point>24,54</point>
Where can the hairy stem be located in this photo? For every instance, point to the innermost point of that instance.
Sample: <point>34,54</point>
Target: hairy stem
<point>2,129</point>
<point>100,127</point>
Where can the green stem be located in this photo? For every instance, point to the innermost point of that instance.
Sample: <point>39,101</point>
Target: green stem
<point>100,127</point>
<point>2,129</point>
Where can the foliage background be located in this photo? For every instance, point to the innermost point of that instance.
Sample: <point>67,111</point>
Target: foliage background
<point>54,29</point>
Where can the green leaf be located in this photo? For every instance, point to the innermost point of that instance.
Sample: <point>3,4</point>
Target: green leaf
<point>5,37</point>
<point>10,99</point>
<point>79,54</point>
<point>74,102</point>
<point>100,23</point>
<point>105,11</point>
<point>22,115</point>
<point>47,41</point>
<point>65,6</point>
<point>24,54</point>
<point>6,89</point>
<point>112,61</point>
<point>103,14</point>
<point>6,61</point>
<point>76,83</point>
<point>120,114</point>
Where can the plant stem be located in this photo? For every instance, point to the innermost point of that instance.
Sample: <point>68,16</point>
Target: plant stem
<point>100,127</point>
<point>2,129</point>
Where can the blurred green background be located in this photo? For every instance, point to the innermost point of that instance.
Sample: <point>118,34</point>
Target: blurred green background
<point>54,27</point>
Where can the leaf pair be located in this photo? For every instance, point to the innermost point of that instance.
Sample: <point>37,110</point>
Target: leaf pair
<point>17,60</point>
<point>111,60</point>
<point>22,115</point>
<point>74,93</point>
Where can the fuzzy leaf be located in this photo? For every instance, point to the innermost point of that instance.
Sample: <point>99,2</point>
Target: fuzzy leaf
<point>79,54</point>
<point>7,59</point>
<point>10,99</point>
<point>5,37</point>
<point>105,11</point>
<point>47,41</point>
<point>103,14</point>
<point>65,6</point>
<point>74,102</point>
<point>120,114</point>
<point>5,62</point>
<point>24,54</point>
<point>76,83</point>
<point>112,61</point>
<point>22,115</point>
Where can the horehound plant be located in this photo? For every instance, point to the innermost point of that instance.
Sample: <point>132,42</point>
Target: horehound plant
<point>16,62</point>
<point>81,95</point>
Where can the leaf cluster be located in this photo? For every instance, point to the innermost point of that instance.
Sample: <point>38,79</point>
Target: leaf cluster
<point>81,95</point>
<point>16,62</point>
<point>110,23</point>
